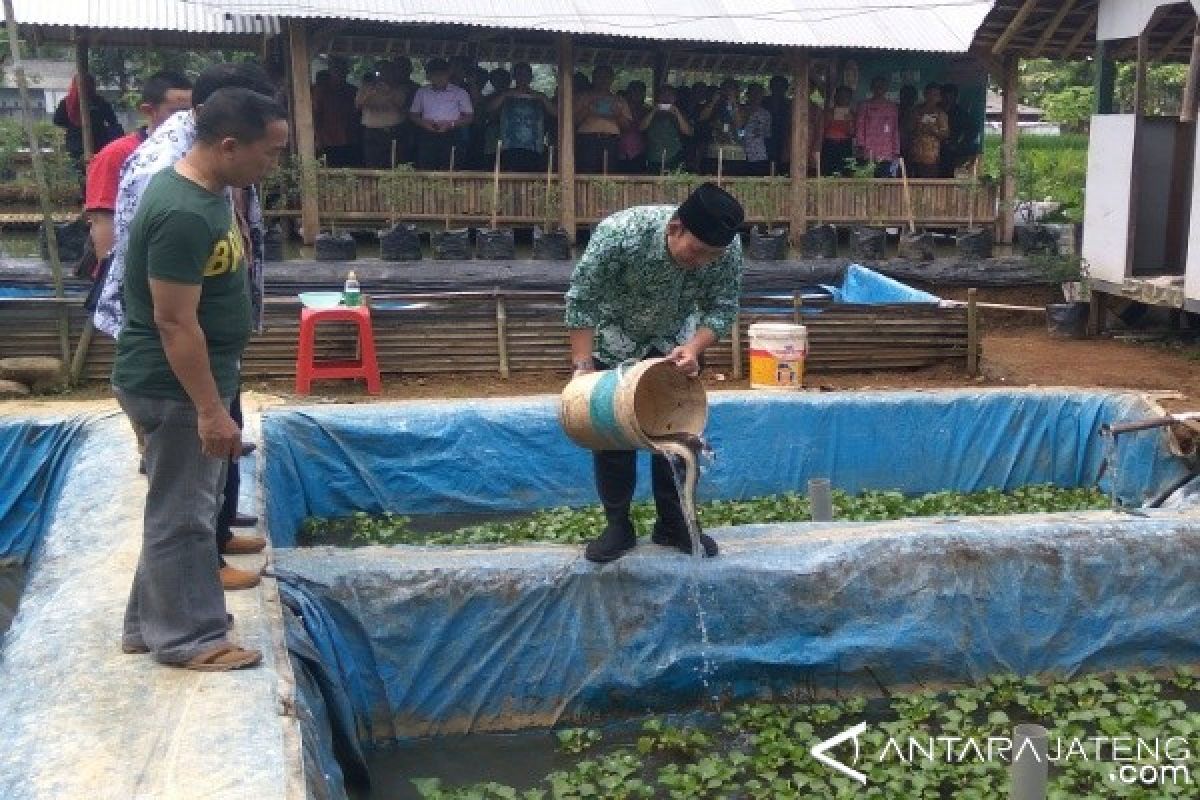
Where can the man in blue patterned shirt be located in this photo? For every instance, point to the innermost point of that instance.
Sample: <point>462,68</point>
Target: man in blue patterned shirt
<point>654,281</point>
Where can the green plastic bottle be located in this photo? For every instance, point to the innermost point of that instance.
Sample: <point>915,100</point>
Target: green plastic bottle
<point>351,292</point>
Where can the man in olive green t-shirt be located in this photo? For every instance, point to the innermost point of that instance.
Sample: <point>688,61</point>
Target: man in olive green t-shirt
<point>176,371</point>
<point>187,236</point>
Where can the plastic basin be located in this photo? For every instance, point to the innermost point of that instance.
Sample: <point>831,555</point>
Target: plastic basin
<point>321,299</point>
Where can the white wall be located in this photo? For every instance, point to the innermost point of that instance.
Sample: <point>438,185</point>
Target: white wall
<point>1107,205</point>
<point>1123,19</point>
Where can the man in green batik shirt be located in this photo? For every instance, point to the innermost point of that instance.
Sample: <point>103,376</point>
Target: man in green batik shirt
<point>654,281</point>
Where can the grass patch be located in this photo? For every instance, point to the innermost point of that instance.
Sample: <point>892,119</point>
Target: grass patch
<point>577,525</point>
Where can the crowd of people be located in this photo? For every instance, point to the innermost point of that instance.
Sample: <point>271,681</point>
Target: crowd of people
<point>465,112</point>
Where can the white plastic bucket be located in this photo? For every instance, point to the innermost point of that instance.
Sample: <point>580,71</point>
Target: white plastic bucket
<point>777,353</point>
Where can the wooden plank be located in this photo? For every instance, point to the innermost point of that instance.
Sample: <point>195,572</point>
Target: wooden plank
<point>1013,26</point>
<point>1087,27</point>
<point>1064,8</point>
<point>302,117</point>
<point>1184,31</point>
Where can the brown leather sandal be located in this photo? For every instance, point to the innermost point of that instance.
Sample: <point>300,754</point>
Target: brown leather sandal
<point>141,649</point>
<point>222,659</point>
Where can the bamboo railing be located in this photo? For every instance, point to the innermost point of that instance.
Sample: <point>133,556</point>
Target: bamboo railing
<point>466,197</point>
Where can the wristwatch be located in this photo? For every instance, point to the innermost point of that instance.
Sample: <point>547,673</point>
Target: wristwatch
<point>583,364</point>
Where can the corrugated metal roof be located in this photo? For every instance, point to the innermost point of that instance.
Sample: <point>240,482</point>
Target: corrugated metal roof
<point>163,15</point>
<point>928,25</point>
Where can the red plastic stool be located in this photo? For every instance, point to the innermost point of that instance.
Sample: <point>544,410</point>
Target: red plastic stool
<point>365,367</point>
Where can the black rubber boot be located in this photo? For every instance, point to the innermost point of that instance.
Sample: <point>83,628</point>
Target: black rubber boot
<point>681,540</point>
<point>617,540</point>
<point>616,476</point>
<point>670,529</point>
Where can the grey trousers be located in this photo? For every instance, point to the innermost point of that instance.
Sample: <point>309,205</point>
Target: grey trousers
<point>176,607</point>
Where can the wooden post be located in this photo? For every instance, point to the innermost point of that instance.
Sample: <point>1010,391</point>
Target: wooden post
<point>735,343</point>
<point>502,334</point>
<point>1139,79</point>
<point>662,68</point>
<point>302,118</point>
<point>566,135</point>
<point>39,175</point>
<point>798,219</point>
<point>496,185</point>
<point>1008,134</point>
<point>972,333</point>
<point>1191,89</point>
<point>85,99</point>
<point>79,360</point>
<point>908,206</point>
<point>832,66</point>
<point>1096,311</point>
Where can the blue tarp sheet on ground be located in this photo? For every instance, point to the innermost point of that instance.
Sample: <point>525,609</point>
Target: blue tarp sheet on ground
<point>34,291</point>
<point>35,454</point>
<point>867,287</point>
<point>491,456</point>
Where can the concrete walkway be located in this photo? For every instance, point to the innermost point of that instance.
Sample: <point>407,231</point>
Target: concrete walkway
<point>79,719</point>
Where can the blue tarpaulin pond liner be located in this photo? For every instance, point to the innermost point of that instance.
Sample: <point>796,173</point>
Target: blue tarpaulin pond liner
<point>426,641</point>
<point>511,455</point>
<point>35,453</point>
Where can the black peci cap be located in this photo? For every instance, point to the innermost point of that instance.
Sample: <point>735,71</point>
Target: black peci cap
<point>711,214</point>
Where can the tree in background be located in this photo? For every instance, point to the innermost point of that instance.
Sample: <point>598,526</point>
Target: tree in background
<point>129,67</point>
<point>1065,89</point>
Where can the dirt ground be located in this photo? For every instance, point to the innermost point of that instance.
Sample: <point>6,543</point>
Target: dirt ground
<point>1018,356</point>
<point>1016,352</point>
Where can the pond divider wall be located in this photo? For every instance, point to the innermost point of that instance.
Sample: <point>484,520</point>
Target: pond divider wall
<point>450,641</point>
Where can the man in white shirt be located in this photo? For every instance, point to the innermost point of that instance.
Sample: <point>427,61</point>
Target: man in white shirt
<point>439,110</point>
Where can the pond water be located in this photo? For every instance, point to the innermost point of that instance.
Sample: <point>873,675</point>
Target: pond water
<point>738,752</point>
<point>519,760</point>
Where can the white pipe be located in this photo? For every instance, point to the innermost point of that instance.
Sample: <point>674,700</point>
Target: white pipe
<point>820,499</point>
<point>1029,770</point>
